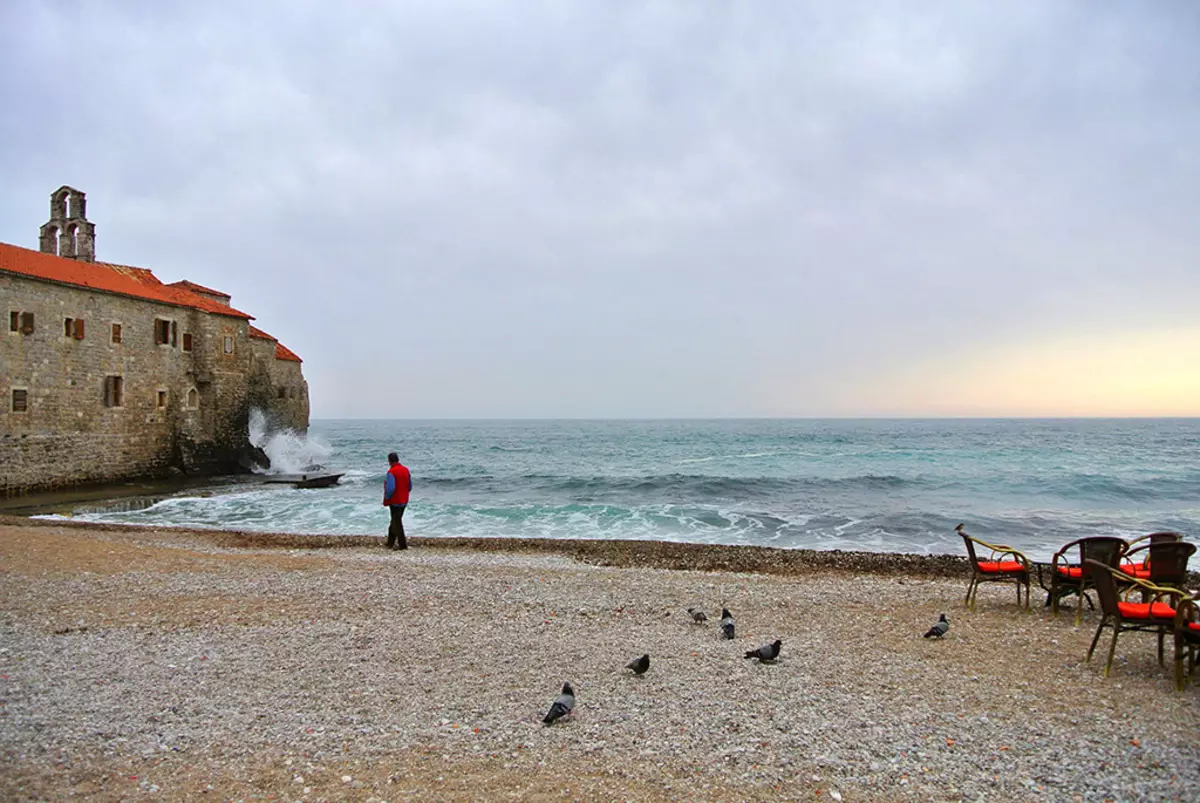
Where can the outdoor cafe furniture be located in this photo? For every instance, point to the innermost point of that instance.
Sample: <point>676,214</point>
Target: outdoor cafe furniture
<point>1069,572</point>
<point>1187,639</point>
<point>1003,564</point>
<point>1134,561</point>
<point>1164,563</point>
<point>1156,615</point>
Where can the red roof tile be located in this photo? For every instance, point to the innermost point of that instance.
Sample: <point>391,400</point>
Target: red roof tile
<point>199,288</point>
<point>106,277</point>
<point>282,352</point>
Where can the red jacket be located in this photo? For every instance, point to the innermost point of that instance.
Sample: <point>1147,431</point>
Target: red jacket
<point>403,482</point>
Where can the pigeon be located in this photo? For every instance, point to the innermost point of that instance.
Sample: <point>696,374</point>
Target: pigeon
<point>767,652</point>
<point>727,623</point>
<point>697,616</point>
<point>639,665</point>
<point>564,703</point>
<point>939,630</point>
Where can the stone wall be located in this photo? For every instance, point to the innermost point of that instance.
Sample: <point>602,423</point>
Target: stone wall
<point>187,410</point>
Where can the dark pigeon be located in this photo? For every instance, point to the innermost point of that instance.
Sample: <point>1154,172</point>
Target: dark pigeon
<point>727,623</point>
<point>698,617</point>
<point>639,665</point>
<point>564,704</point>
<point>767,652</point>
<point>939,629</point>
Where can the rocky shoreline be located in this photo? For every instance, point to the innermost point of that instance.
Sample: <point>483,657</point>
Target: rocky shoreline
<point>194,664</point>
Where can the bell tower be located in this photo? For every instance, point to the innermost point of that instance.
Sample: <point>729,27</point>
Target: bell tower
<point>68,233</point>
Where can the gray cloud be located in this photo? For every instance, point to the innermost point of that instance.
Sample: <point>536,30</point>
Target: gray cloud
<point>612,209</point>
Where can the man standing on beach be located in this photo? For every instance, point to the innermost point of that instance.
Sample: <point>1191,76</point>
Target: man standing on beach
<point>396,487</point>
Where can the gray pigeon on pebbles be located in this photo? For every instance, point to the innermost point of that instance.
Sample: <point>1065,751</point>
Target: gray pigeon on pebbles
<point>727,623</point>
<point>698,617</point>
<point>639,665</point>
<point>940,629</point>
<point>564,704</point>
<point>766,653</point>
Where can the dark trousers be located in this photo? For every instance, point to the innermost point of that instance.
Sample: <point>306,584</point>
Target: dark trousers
<point>396,539</point>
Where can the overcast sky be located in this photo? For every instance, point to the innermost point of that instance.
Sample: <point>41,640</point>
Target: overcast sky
<point>609,209</point>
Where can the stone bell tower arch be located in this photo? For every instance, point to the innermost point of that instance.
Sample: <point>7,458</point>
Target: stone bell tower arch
<point>68,233</point>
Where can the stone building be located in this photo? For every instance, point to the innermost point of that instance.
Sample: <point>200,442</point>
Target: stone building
<point>107,373</point>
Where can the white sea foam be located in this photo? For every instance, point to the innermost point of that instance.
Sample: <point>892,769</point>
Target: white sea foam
<point>290,452</point>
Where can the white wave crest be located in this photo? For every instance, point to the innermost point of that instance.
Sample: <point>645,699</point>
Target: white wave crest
<point>290,452</point>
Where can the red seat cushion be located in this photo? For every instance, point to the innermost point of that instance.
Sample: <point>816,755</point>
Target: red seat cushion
<point>1131,568</point>
<point>1144,610</point>
<point>1194,626</point>
<point>995,567</point>
<point>1073,572</point>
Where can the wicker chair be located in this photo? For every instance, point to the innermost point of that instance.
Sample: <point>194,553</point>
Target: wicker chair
<point>1069,576</point>
<point>1002,565</point>
<point>1156,616</point>
<point>1134,561</point>
<point>1166,563</point>
<point>1187,639</point>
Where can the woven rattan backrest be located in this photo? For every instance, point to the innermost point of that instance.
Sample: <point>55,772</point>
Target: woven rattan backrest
<point>1168,562</point>
<point>1104,549</point>
<point>1164,537</point>
<point>1106,588</point>
<point>970,547</point>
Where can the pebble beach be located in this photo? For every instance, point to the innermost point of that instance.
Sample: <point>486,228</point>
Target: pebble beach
<point>162,664</point>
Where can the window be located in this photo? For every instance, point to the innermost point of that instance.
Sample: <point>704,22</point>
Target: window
<point>116,333</point>
<point>162,332</point>
<point>73,327</point>
<point>14,321</point>
<point>193,399</point>
<point>282,393</point>
<point>174,333</point>
<point>112,391</point>
<point>187,341</point>
<point>228,344</point>
<point>20,400</point>
<point>26,323</point>
<point>162,399</point>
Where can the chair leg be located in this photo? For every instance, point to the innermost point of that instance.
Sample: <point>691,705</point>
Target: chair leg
<point>1112,650</point>
<point>1178,662</point>
<point>1079,609</point>
<point>970,588</point>
<point>1096,638</point>
<point>1026,596</point>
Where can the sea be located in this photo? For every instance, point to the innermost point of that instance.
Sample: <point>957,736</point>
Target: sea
<point>864,485</point>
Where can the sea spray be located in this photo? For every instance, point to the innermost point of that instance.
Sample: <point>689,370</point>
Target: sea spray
<point>289,451</point>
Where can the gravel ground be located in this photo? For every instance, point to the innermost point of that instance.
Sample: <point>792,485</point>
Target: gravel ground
<point>143,664</point>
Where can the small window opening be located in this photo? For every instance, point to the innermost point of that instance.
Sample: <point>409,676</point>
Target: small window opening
<point>162,399</point>
<point>78,329</point>
<point>116,333</point>
<point>14,321</point>
<point>68,327</point>
<point>193,399</point>
<point>162,332</point>
<point>20,400</point>
<point>174,334</point>
<point>282,393</point>
<point>228,344</point>
<point>187,341</point>
<point>26,323</point>
<point>112,391</point>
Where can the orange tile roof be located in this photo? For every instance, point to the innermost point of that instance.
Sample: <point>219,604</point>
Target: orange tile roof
<point>106,277</point>
<point>198,288</point>
<point>282,352</point>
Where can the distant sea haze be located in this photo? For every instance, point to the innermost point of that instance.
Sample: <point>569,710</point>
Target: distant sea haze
<point>874,485</point>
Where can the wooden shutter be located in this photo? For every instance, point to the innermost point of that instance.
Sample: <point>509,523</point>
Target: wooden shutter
<point>79,328</point>
<point>116,333</point>
<point>187,341</point>
<point>174,333</point>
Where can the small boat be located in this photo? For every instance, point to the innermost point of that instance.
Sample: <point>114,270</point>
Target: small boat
<point>305,480</point>
<point>318,480</point>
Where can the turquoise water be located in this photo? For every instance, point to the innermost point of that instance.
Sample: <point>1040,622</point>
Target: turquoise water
<point>877,485</point>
